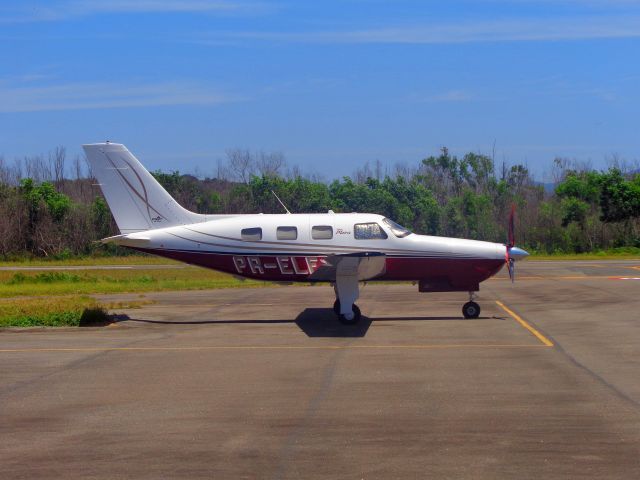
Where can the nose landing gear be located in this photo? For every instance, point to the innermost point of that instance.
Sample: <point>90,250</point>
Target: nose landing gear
<point>471,309</point>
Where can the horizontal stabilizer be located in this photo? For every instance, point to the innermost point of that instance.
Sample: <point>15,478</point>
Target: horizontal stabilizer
<point>127,240</point>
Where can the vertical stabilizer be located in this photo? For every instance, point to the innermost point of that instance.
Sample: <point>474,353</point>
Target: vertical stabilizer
<point>136,199</point>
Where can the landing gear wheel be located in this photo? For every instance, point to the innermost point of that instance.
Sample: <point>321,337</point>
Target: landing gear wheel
<point>336,307</point>
<point>471,310</point>
<point>350,321</point>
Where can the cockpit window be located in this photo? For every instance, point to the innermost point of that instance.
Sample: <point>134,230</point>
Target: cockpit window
<point>398,230</point>
<point>368,231</point>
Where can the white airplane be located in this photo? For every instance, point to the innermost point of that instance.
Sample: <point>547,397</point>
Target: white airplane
<point>340,248</point>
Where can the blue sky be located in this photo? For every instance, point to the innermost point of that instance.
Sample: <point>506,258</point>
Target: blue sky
<point>331,84</point>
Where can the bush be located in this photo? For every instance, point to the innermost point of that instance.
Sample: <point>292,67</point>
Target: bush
<point>65,311</point>
<point>94,317</point>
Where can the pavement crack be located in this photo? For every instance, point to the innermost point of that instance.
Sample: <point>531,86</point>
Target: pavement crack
<point>12,388</point>
<point>635,404</point>
<point>315,403</point>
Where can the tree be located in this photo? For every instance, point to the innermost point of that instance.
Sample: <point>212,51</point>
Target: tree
<point>620,198</point>
<point>241,164</point>
<point>56,203</point>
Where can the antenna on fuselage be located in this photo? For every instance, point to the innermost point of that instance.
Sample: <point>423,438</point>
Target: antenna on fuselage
<point>278,198</point>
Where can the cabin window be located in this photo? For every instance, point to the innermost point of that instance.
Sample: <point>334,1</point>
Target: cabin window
<point>251,234</point>
<point>287,233</point>
<point>398,230</point>
<point>322,232</point>
<point>368,231</point>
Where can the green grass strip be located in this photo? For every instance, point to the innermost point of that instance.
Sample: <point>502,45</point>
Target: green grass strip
<point>86,282</point>
<point>52,312</point>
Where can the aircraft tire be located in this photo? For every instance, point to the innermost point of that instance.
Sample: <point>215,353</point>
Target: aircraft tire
<point>471,310</point>
<point>336,307</point>
<point>354,320</point>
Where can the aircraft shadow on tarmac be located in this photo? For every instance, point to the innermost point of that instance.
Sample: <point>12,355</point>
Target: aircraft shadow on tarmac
<point>314,322</point>
<point>322,322</point>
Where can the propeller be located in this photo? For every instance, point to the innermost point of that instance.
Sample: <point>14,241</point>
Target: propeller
<point>513,253</point>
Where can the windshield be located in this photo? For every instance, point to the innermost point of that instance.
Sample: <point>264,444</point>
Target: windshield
<point>398,230</point>
<point>368,231</point>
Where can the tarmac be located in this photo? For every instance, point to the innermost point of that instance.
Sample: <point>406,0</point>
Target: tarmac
<point>265,383</point>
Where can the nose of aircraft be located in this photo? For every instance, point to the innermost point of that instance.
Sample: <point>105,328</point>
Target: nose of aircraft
<point>518,253</point>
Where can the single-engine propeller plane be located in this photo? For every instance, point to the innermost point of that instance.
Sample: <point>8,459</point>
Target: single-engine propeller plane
<point>339,248</point>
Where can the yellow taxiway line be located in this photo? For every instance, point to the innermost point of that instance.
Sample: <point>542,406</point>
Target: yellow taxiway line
<point>525,324</point>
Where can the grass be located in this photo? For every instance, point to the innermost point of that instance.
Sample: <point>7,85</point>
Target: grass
<point>582,256</point>
<point>90,261</point>
<point>34,283</point>
<point>54,298</point>
<point>62,311</point>
<point>624,253</point>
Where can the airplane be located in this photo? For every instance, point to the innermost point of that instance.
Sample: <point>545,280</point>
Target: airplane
<point>342,249</point>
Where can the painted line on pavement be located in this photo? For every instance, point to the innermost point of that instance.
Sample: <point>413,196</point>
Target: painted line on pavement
<point>525,324</point>
<point>266,347</point>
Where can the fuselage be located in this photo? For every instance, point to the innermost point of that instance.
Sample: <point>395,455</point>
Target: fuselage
<point>294,247</point>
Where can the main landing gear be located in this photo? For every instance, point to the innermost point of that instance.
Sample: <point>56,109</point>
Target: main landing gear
<point>344,318</point>
<point>471,309</point>
<point>347,292</point>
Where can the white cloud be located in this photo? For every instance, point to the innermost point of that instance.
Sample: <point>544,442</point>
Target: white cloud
<point>64,10</point>
<point>155,6</point>
<point>78,96</point>
<point>504,30</point>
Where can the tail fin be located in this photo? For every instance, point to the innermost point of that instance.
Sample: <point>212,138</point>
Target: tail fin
<point>138,202</point>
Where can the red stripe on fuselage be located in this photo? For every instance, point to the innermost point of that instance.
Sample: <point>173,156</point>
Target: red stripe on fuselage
<point>460,272</point>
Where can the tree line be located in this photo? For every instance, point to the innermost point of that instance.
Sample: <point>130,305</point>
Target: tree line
<point>52,207</point>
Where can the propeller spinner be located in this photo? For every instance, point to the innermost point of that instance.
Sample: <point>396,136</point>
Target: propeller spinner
<point>513,253</point>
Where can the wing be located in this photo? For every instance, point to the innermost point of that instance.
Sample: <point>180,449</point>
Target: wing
<point>364,265</point>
